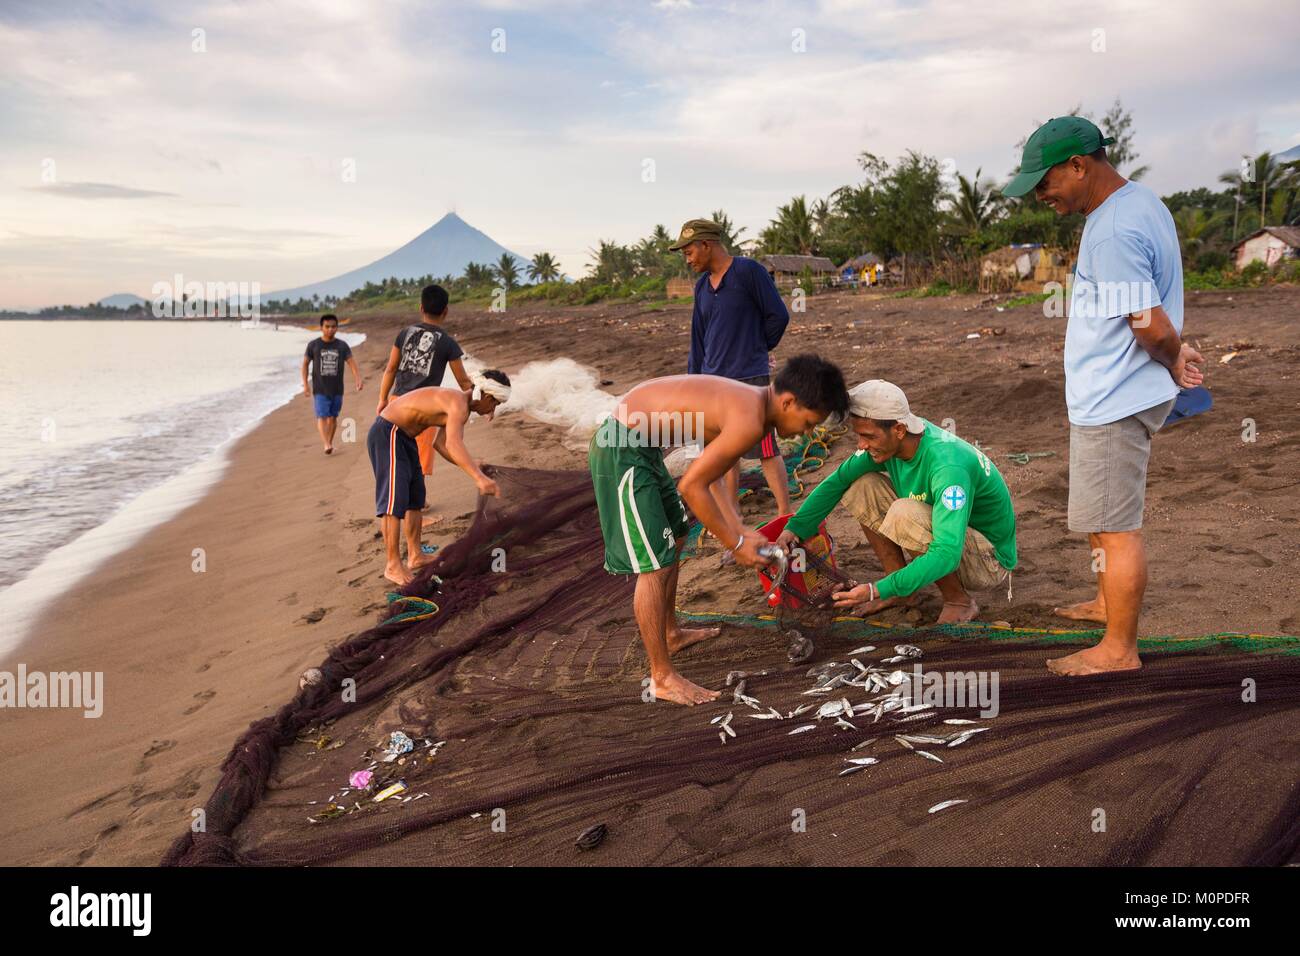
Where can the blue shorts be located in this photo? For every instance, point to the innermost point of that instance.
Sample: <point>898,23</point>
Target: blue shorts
<point>328,406</point>
<point>399,481</point>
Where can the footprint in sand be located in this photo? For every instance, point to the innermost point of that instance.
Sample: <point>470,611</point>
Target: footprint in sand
<point>312,617</point>
<point>206,665</point>
<point>290,599</point>
<point>202,697</point>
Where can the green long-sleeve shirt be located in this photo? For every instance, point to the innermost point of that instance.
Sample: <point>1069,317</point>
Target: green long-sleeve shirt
<point>956,479</point>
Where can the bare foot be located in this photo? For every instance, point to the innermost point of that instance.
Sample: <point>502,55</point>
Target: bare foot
<point>679,637</point>
<point>421,559</point>
<point>881,604</point>
<point>428,521</point>
<point>1093,610</point>
<point>1094,660</point>
<point>955,612</point>
<point>329,449</point>
<point>398,574</point>
<point>676,688</point>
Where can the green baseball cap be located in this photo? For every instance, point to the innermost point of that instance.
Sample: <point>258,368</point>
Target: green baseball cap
<point>694,229</point>
<point>1054,142</point>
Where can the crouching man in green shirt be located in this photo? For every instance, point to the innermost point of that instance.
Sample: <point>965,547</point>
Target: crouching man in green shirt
<point>919,492</point>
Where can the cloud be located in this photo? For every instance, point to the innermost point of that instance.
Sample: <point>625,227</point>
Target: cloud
<point>97,191</point>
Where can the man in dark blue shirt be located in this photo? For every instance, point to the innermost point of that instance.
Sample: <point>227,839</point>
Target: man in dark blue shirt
<point>738,319</point>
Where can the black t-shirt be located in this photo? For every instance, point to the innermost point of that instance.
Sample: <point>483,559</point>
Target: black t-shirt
<point>327,360</point>
<point>425,351</point>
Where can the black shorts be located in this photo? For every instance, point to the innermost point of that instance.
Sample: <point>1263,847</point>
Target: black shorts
<point>767,446</point>
<point>395,458</point>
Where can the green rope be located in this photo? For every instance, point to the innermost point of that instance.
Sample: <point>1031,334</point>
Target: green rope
<point>852,627</point>
<point>419,609</point>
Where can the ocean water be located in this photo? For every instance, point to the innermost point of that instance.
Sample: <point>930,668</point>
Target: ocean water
<point>108,428</point>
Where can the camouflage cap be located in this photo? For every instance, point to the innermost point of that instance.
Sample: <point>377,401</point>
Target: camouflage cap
<point>694,229</point>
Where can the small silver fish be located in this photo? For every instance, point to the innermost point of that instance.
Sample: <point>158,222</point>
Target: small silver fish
<point>739,692</point>
<point>904,742</point>
<point>944,806</point>
<point>801,709</point>
<point>841,722</point>
<point>864,649</point>
<point>894,660</point>
<point>768,716</point>
<point>728,730</point>
<point>928,713</point>
<point>854,769</point>
<point>907,650</point>
<point>959,720</point>
<point>722,737</point>
<point>735,676</point>
<point>929,756</point>
<point>799,730</point>
<point>866,743</point>
<point>861,761</point>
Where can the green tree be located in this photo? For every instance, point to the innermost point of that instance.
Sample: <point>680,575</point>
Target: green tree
<point>792,232</point>
<point>730,234</point>
<point>477,273</point>
<point>506,271</point>
<point>543,268</point>
<point>974,204</point>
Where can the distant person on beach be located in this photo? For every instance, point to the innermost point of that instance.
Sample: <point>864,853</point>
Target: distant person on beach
<point>642,515</point>
<point>399,482</point>
<point>1124,364</point>
<point>325,357</point>
<point>737,320</point>
<point>419,358</point>
<point>919,492</point>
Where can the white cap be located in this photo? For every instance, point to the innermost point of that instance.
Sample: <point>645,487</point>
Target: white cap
<point>885,402</point>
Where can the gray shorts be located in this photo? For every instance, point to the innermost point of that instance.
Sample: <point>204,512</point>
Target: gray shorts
<point>1108,471</point>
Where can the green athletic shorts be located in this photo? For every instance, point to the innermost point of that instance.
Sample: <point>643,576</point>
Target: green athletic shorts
<point>641,515</point>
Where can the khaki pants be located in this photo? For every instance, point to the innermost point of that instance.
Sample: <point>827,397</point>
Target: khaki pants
<point>872,500</point>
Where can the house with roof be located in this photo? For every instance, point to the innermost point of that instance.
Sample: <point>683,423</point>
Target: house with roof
<point>786,270</point>
<point>1269,245</point>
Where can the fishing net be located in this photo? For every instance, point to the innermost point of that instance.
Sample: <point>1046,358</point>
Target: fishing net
<point>518,688</point>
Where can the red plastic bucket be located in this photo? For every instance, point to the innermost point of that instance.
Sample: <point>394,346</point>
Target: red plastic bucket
<point>798,582</point>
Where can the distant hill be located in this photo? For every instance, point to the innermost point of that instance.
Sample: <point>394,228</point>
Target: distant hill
<point>445,248</point>
<point>1290,156</point>
<point>122,300</point>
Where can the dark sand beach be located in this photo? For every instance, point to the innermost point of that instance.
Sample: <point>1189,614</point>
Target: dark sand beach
<point>293,568</point>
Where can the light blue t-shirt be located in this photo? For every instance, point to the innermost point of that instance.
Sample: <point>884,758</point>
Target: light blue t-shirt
<point>1129,261</point>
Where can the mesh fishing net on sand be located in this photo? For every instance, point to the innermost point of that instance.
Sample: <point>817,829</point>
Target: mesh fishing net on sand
<point>520,694</point>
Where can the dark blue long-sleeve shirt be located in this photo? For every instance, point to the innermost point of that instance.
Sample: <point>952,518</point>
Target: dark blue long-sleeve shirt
<point>735,325</point>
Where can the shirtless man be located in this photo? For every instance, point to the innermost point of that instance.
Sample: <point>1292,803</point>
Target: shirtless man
<point>395,458</point>
<point>642,515</point>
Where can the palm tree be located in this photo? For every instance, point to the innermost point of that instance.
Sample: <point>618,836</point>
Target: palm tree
<point>476,273</point>
<point>612,262</point>
<point>543,268</point>
<point>506,271</point>
<point>976,203</point>
<point>1195,229</point>
<point>792,231</point>
<point>1267,177</point>
<point>730,234</point>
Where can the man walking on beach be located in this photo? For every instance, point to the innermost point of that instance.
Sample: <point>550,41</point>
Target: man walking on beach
<point>642,515</point>
<point>325,357</point>
<point>420,357</point>
<point>917,490</point>
<point>737,320</point>
<point>399,482</point>
<point>1124,363</point>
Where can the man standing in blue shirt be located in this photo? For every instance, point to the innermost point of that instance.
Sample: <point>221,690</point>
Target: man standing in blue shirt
<point>1124,363</point>
<point>738,319</point>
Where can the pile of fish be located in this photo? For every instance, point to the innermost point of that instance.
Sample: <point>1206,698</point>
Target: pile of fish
<point>889,695</point>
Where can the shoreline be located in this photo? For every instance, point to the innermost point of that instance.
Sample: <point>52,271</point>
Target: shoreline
<point>190,660</point>
<point>23,602</point>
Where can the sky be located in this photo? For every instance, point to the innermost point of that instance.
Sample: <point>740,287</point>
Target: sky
<point>284,143</point>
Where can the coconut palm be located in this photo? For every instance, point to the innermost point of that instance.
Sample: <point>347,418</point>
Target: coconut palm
<point>1195,229</point>
<point>793,230</point>
<point>543,268</point>
<point>975,203</point>
<point>730,233</point>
